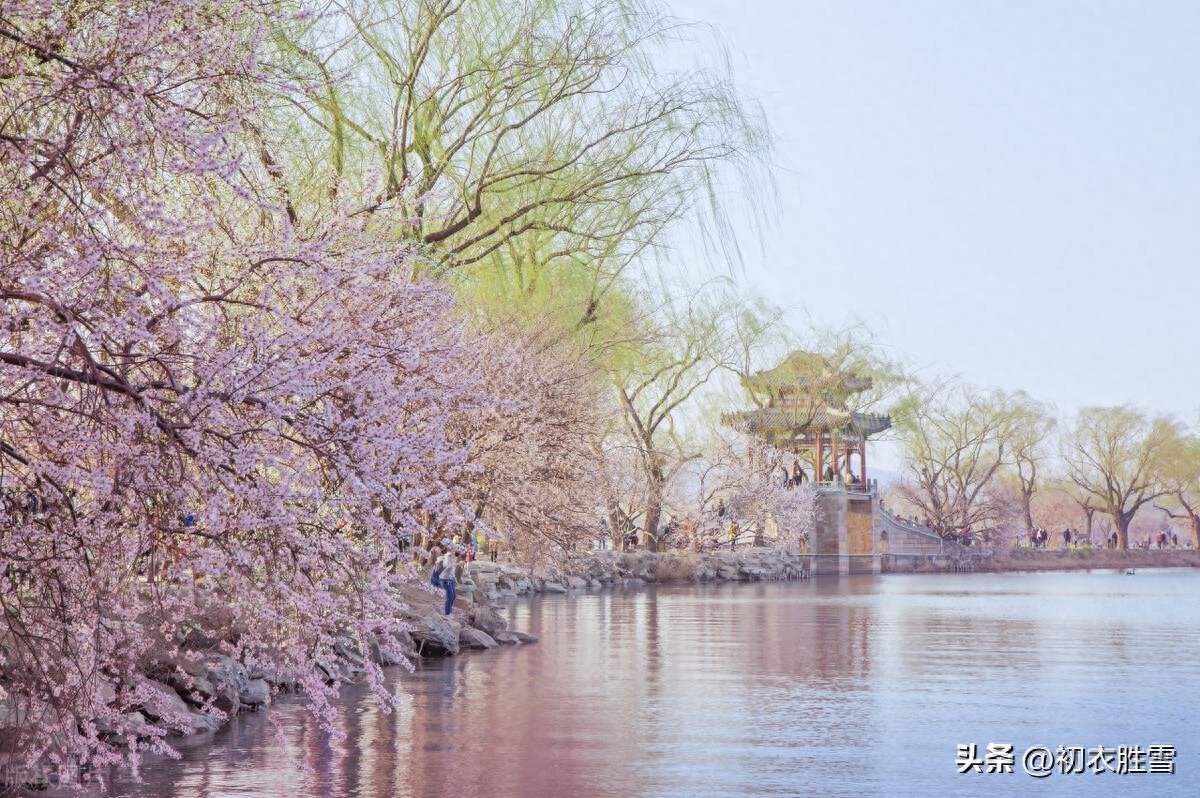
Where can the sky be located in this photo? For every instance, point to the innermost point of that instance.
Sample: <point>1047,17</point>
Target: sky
<point>1008,191</point>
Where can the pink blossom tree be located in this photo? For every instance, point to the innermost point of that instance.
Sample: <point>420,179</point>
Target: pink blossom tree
<point>214,427</point>
<point>533,479</point>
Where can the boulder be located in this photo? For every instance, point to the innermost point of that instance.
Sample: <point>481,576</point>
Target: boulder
<point>164,706</point>
<point>514,638</point>
<point>227,672</point>
<point>229,678</point>
<point>474,638</point>
<point>487,619</point>
<point>408,646</point>
<point>380,656</point>
<point>576,583</point>
<point>349,651</point>
<point>257,694</point>
<point>195,690</point>
<point>132,724</point>
<point>554,587</point>
<point>435,633</point>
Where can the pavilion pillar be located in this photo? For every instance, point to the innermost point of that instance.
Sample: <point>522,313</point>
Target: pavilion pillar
<point>820,457</point>
<point>862,460</point>
<point>833,456</point>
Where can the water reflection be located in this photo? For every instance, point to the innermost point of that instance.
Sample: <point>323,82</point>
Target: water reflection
<point>854,686</point>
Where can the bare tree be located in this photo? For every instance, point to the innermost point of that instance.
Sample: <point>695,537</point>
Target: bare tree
<point>956,440</point>
<point>1029,428</point>
<point>1183,482</point>
<point>1122,458</point>
<point>683,344</point>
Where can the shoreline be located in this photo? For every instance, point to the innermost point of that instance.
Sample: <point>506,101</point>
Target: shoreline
<point>1023,560</point>
<point>478,622</point>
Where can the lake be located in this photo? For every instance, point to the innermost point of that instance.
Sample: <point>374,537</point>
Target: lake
<point>851,686</point>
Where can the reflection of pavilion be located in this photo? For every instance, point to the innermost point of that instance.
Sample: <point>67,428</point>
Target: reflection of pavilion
<point>802,407</point>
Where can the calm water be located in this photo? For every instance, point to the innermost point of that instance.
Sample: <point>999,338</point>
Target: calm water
<point>858,686</point>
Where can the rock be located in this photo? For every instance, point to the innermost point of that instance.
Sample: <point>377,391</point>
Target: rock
<point>554,587</point>
<point>229,678</point>
<point>349,651</point>
<point>576,583</point>
<point>228,700</point>
<point>474,638</point>
<point>381,656</point>
<point>195,690</point>
<point>164,706</point>
<point>257,694</point>
<point>227,672</point>
<point>436,633</point>
<point>486,618</point>
<point>507,638</point>
<point>525,638</point>
<point>132,724</point>
<point>407,645</point>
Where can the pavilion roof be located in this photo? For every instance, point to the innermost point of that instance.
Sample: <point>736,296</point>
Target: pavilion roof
<point>806,373</point>
<point>788,422</point>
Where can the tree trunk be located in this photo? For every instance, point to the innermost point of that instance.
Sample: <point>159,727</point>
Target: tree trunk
<point>1122,530</point>
<point>655,485</point>
<point>1027,507</point>
<point>616,531</point>
<point>653,514</point>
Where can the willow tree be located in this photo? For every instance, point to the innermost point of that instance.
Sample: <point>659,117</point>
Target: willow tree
<point>679,347</point>
<point>530,139</point>
<point>1029,429</point>
<point>956,443</point>
<point>1182,502</point>
<point>1122,458</point>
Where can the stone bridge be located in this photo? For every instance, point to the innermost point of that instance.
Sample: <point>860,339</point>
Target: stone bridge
<point>854,534</point>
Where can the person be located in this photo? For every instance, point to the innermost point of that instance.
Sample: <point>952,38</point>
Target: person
<point>1067,538</point>
<point>797,473</point>
<point>471,551</point>
<point>689,532</point>
<point>447,574</point>
<point>720,508</point>
<point>435,554</point>
<point>733,535</point>
<point>829,473</point>
<point>492,549</point>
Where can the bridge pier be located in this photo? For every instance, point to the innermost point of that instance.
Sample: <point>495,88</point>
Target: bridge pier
<point>845,538</point>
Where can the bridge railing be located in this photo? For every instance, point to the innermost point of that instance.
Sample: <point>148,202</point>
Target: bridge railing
<point>870,486</point>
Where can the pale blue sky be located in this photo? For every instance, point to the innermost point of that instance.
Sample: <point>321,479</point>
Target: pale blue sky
<point>1006,190</point>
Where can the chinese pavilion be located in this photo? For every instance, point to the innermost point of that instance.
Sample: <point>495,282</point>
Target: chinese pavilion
<point>802,407</point>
